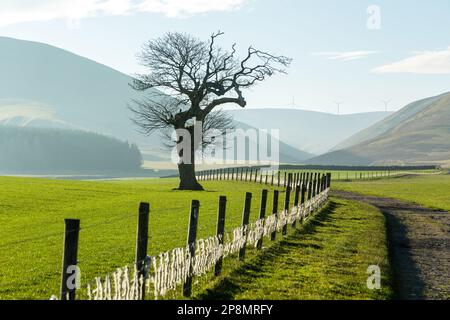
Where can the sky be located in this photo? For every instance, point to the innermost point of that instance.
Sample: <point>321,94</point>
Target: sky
<point>364,55</point>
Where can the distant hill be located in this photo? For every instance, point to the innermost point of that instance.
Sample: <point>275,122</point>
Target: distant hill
<point>417,134</point>
<point>388,123</point>
<point>288,154</point>
<point>41,149</point>
<point>44,86</point>
<point>313,132</point>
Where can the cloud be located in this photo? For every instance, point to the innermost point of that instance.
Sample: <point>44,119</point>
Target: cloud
<point>346,56</point>
<point>14,12</point>
<point>181,8</point>
<point>427,62</point>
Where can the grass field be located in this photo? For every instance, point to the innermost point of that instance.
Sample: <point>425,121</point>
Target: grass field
<point>327,259</point>
<point>342,175</point>
<point>432,191</point>
<point>32,213</point>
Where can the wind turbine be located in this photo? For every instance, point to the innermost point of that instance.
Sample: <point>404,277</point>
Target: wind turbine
<point>293,102</point>
<point>338,103</point>
<point>386,103</point>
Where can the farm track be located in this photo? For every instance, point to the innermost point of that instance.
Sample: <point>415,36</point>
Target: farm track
<point>419,246</point>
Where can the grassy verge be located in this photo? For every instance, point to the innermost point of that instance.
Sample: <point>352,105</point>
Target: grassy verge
<point>328,259</point>
<point>431,191</point>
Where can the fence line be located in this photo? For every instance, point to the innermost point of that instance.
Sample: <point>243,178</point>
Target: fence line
<point>158,275</point>
<point>249,174</point>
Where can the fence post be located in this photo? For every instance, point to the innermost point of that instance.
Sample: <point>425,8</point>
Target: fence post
<point>271,183</point>
<point>287,201</point>
<point>220,231</point>
<point>142,242</point>
<point>192,236</point>
<point>276,194</point>
<point>309,190</point>
<point>302,200</point>
<point>262,215</point>
<point>245,220</point>
<point>279,173</point>
<point>319,182</point>
<point>284,182</point>
<point>313,186</point>
<point>296,199</point>
<point>329,180</point>
<point>70,259</point>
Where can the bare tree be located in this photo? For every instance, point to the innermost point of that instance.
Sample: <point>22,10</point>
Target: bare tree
<point>196,78</point>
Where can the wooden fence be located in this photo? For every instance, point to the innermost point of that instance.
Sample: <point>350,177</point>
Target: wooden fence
<point>259,175</point>
<point>309,192</point>
<point>279,178</point>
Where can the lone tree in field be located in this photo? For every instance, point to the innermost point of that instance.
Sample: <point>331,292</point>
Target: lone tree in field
<point>196,77</point>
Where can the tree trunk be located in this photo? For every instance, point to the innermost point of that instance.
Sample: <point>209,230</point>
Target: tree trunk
<point>188,181</point>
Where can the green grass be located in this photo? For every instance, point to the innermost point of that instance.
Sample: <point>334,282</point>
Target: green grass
<point>432,191</point>
<point>341,175</point>
<point>32,213</point>
<point>328,259</point>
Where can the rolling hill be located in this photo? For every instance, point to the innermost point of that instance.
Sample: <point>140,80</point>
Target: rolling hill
<point>44,86</point>
<point>313,132</point>
<point>47,87</point>
<point>287,153</point>
<point>417,134</point>
<point>28,149</point>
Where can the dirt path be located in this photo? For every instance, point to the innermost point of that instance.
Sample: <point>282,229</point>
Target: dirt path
<point>419,246</point>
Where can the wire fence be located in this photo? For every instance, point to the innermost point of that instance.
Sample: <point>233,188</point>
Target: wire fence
<point>156,276</point>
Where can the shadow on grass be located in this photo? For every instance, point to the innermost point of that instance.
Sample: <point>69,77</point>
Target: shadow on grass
<point>229,286</point>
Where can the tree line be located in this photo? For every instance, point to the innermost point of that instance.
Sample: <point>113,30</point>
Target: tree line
<point>23,148</point>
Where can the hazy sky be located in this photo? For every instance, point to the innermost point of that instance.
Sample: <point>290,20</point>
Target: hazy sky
<point>353,51</point>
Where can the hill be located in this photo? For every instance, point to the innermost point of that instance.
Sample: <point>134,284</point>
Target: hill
<point>44,86</point>
<point>313,132</point>
<point>287,153</point>
<point>417,134</point>
<point>47,87</point>
<point>42,149</point>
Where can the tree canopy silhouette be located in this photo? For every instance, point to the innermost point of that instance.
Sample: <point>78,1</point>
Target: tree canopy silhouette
<point>195,77</point>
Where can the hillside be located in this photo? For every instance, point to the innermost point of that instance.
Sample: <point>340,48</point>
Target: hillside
<point>417,134</point>
<point>288,154</point>
<point>387,124</point>
<point>313,132</point>
<point>44,86</point>
<point>40,149</point>
<point>47,87</point>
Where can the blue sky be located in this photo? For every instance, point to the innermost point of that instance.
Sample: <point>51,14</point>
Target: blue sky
<point>337,57</point>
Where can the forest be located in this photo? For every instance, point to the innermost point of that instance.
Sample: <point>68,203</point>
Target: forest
<point>29,149</point>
